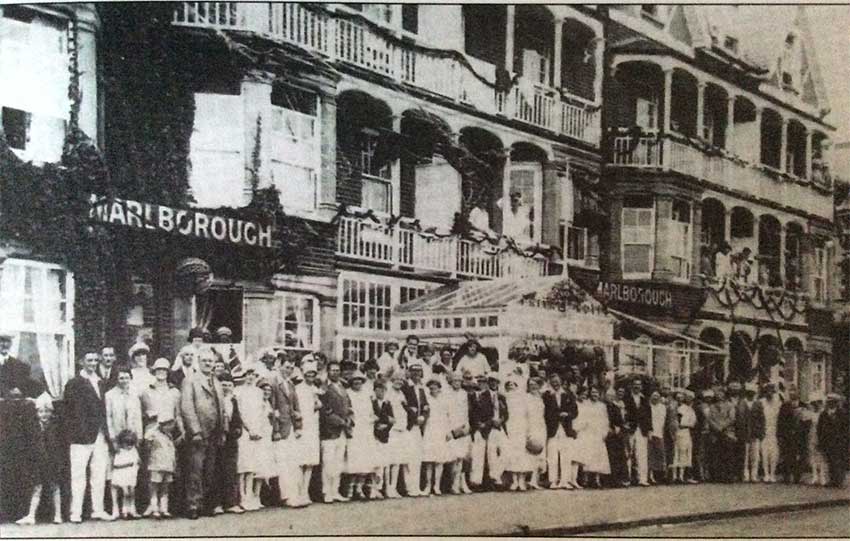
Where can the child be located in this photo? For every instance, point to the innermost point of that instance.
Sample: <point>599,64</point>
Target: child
<point>46,463</point>
<point>436,450</point>
<point>125,469</point>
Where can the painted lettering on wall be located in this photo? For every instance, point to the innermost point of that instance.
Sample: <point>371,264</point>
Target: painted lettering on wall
<point>635,294</point>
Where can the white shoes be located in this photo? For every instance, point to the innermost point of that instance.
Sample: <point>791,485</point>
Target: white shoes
<point>26,521</point>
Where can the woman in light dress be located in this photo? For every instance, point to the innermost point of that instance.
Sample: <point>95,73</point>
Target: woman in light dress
<point>580,426</point>
<point>264,452</point>
<point>396,449</point>
<point>516,456</point>
<point>436,441</point>
<point>461,443</point>
<point>536,431</point>
<point>360,453</point>
<point>250,400</point>
<point>307,450</point>
<point>594,429</point>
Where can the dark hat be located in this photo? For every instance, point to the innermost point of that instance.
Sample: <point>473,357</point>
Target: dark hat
<point>433,382</point>
<point>197,332</point>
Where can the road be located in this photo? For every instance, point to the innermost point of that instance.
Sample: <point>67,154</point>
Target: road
<point>828,522</point>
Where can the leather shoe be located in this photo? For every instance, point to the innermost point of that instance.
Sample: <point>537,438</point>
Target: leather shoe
<point>193,514</point>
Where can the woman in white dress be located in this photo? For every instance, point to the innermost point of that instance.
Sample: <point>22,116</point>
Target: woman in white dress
<point>306,450</point>
<point>461,443</point>
<point>595,428</point>
<point>264,452</point>
<point>581,426</point>
<point>536,432</point>
<point>360,452</point>
<point>516,456</point>
<point>250,400</point>
<point>396,447</point>
<point>436,441</point>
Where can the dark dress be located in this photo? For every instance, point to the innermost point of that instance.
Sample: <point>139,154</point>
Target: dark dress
<point>616,445</point>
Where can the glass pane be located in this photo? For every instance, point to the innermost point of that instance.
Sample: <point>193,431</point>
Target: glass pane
<point>636,259</point>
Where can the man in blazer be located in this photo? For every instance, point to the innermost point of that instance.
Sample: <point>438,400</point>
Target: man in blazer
<point>108,369</point>
<point>559,410</point>
<point>488,440</point>
<point>749,429</point>
<point>286,428</point>
<point>335,424</point>
<point>205,422</point>
<point>417,408</point>
<point>639,421</point>
<point>85,427</point>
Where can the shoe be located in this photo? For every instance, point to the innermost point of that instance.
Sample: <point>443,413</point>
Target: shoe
<point>164,514</point>
<point>75,520</point>
<point>341,498</point>
<point>156,514</point>
<point>26,521</point>
<point>328,499</point>
<point>103,516</point>
<point>692,482</point>
<point>57,520</point>
<point>150,511</point>
<point>643,484</point>
<point>218,510</point>
<point>236,509</point>
<point>466,490</point>
<point>193,514</point>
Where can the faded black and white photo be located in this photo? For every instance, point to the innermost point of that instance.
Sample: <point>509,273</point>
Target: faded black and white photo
<point>289,269</point>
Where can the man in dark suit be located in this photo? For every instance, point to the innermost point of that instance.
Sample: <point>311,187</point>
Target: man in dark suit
<point>85,426</point>
<point>749,429</point>
<point>107,370</point>
<point>489,439</point>
<point>205,421</point>
<point>15,381</point>
<point>335,424</point>
<point>639,422</point>
<point>832,438</point>
<point>416,405</point>
<point>559,410</point>
<point>286,427</point>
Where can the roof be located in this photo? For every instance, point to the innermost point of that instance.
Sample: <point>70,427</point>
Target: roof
<point>478,296</point>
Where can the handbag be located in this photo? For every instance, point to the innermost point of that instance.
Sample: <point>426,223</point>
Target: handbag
<point>533,446</point>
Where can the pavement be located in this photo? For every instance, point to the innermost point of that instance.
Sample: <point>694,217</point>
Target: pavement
<point>532,513</point>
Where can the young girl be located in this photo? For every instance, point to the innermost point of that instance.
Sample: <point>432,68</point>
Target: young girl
<point>461,441</point>
<point>250,399</point>
<point>47,464</point>
<point>163,428</point>
<point>125,469</point>
<point>435,441</point>
<point>396,448</point>
<point>516,457</point>
<point>360,454</point>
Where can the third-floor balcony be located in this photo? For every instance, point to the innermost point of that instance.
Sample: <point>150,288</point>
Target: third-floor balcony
<point>342,35</point>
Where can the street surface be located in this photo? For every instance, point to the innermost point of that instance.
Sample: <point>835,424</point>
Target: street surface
<point>828,522</point>
<point>544,512</point>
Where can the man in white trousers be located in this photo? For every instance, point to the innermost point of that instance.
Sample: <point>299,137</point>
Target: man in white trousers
<point>418,409</point>
<point>85,425</point>
<point>559,411</point>
<point>770,445</point>
<point>639,420</point>
<point>488,440</point>
<point>335,426</point>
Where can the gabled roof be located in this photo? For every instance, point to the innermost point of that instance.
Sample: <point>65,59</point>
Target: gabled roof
<point>479,296</point>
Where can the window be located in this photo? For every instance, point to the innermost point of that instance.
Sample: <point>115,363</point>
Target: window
<point>295,147</point>
<point>366,305</point>
<point>522,219</point>
<point>817,373</point>
<point>671,366</point>
<point>646,113</point>
<point>35,108</point>
<point>38,308</point>
<point>286,320</point>
<point>681,244</point>
<point>638,236</point>
<point>438,194</point>
<point>377,177</point>
<point>819,280</point>
<point>220,307</point>
<point>410,18</point>
<point>216,151</point>
<point>635,357</point>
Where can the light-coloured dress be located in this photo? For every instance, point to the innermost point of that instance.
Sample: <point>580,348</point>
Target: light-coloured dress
<point>125,468</point>
<point>266,465</point>
<point>250,400</point>
<point>594,429</point>
<point>360,452</point>
<point>397,449</point>
<point>161,404</point>
<point>516,456</point>
<point>306,448</point>
<point>435,446</point>
<point>536,430</point>
<point>459,420</point>
<point>683,448</point>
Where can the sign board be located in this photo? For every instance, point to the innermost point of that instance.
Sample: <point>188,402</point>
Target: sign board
<point>189,223</point>
<point>646,298</point>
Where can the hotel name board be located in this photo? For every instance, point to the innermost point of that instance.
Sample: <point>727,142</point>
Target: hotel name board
<point>656,297</point>
<point>185,222</point>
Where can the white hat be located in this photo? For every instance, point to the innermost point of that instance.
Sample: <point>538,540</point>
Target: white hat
<point>44,400</point>
<point>309,366</point>
<point>416,364</point>
<point>358,375</point>
<point>751,387</point>
<point>136,348</point>
<point>160,364</point>
<point>816,396</point>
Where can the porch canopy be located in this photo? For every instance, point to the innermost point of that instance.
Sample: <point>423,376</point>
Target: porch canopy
<point>501,312</point>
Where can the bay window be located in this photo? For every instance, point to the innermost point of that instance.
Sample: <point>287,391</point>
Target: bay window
<point>38,308</point>
<point>284,320</point>
<point>638,236</point>
<point>295,147</point>
<point>216,152</point>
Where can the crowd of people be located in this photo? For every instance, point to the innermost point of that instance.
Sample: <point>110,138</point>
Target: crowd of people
<point>207,435</point>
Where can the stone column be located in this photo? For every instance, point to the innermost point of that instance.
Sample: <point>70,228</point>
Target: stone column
<point>730,123</point>
<point>783,146</point>
<point>782,233</point>
<point>668,93</point>
<point>727,226</point>
<point>327,176</point>
<point>759,111</point>
<point>807,172</point>
<point>696,244</point>
<point>663,215</point>
<point>510,27</point>
<point>552,203</point>
<point>700,109</point>
<point>556,62</point>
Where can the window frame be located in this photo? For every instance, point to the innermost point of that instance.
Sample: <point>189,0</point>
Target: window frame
<point>537,169</point>
<point>684,258</point>
<point>654,230</point>
<point>820,275</point>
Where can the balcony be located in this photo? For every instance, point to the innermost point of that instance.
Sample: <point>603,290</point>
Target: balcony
<point>667,153</point>
<point>353,42</point>
<point>364,240</point>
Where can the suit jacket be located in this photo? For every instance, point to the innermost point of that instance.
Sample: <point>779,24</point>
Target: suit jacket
<point>721,417</point>
<point>416,404</point>
<point>285,403</point>
<point>15,374</point>
<point>176,377</point>
<point>639,416</point>
<point>85,411</point>
<point>123,414</point>
<point>552,413</point>
<point>110,382</point>
<point>789,426</point>
<point>749,421</point>
<point>832,435</point>
<point>335,417</point>
<point>234,427</point>
<point>485,410</point>
<point>384,419</point>
<point>202,407</point>
<point>615,416</point>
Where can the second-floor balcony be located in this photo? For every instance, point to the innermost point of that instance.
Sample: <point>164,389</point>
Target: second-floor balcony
<point>362,239</point>
<point>352,41</point>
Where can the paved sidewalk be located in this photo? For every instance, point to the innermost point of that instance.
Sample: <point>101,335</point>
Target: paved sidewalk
<point>541,513</point>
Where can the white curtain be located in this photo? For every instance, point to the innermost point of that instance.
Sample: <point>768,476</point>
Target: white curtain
<point>46,315</point>
<point>302,329</point>
<point>12,302</point>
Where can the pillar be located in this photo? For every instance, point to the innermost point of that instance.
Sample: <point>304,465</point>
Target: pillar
<point>556,62</point>
<point>727,226</point>
<point>782,233</point>
<point>327,176</point>
<point>756,271</point>
<point>668,92</point>
<point>700,109</point>
<point>696,245</point>
<point>663,216</point>
<point>510,27</point>
<point>552,204</point>
<point>807,172</point>
<point>758,156</point>
<point>730,123</point>
<point>783,145</point>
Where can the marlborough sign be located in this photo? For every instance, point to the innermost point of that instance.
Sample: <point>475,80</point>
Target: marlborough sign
<point>189,223</point>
